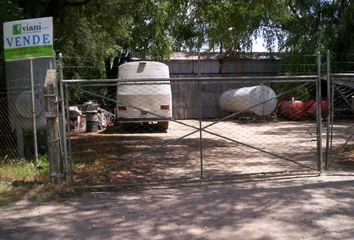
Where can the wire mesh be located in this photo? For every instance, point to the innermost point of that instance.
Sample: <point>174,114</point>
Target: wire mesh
<point>181,128</point>
<point>221,123</point>
<point>262,127</point>
<point>7,133</point>
<point>18,151</point>
<point>342,63</point>
<point>135,144</point>
<point>16,123</point>
<point>342,129</point>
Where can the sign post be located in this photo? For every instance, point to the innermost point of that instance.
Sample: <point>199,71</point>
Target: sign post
<point>35,143</point>
<point>27,40</point>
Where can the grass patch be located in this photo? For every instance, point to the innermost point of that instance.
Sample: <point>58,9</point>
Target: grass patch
<point>24,170</point>
<point>19,177</point>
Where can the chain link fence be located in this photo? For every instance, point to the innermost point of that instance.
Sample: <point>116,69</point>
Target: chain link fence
<point>23,138</point>
<point>271,131</point>
<point>161,127</point>
<point>152,127</point>
<point>342,125</point>
<point>8,136</point>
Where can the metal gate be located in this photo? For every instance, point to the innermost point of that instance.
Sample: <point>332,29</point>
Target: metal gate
<point>204,140</point>
<point>340,136</point>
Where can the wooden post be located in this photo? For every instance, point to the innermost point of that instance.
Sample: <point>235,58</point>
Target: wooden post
<point>53,137</point>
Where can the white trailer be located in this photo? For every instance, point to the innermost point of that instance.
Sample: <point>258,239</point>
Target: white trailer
<point>142,101</point>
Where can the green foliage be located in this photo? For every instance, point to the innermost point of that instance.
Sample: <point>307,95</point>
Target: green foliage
<point>225,25</point>
<point>230,24</point>
<point>287,91</point>
<point>87,33</point>
<point>97,34</point>
<point>24,170</point>
<point>9,11</point>
<point>150,32</point>
<point>344,44</point>
<point>314,26</point>
<point>294,63</point>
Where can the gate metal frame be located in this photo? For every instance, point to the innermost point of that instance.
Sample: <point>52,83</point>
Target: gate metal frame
<point>64,84</point>
<point>333,77</point>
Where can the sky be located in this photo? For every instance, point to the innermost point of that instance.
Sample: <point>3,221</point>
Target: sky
<point>257,45</point>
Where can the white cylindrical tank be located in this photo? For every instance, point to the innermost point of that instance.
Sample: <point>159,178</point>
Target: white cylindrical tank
<point>260,100</point>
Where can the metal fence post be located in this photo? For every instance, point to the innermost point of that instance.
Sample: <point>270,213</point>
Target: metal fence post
<point>53,136</point>
<point>201,132</point>
<point>63,118</point>
<point>329,100</point>
<point>319,116</point>
<point>69,176</point>
<point>331,103</point>
<point>200,119</point>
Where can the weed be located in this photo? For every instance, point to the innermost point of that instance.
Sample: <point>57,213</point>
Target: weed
<point>24,170</point>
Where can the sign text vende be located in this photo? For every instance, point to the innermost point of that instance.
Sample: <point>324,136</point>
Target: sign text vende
<point>28,38</point>
<point>25,41</point>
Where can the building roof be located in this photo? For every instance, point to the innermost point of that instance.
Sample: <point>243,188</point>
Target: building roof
<point>217,56</point>
<point>194,55</point>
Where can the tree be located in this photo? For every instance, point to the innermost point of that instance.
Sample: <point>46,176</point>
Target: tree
<point>100,31</point>
<point>8,11</point>
<point>150,32</point>
<point>310,26</point>
<point>344,44</point>
<point>91,31</point>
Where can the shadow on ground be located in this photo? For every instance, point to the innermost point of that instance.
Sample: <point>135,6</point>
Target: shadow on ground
<point>308,208</point>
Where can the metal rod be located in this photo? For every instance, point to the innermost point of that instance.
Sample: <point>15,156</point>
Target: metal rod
<point>332,112</point>
<point>200,132</point>
<point>350,137</point>
<point>342,75</point>
<point>201,149</point>
<point>114,84</point>
<point>68,173</point>
<point>344,98</point>
<point>63,117</point>
<point>328,127</point>
<point>36,159</point>
<point>296,78</point>
<point>318,116</point>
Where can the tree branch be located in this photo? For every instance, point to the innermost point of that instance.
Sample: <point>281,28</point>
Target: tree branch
<point>55,7</point>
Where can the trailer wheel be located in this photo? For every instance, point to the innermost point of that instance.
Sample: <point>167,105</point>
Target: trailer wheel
<point>163,126</point>
<point>126,126</point>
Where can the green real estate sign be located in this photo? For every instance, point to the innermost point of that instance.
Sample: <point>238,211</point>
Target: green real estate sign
<point>29,38</point>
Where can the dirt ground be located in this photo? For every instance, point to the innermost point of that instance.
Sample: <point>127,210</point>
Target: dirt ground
<point>228,148</point>
<point>291,208</point>
<point>293,205</point>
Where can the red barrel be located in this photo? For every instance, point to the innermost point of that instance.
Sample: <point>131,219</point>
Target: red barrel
<point>311,108</point>
<point>292,109</point>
